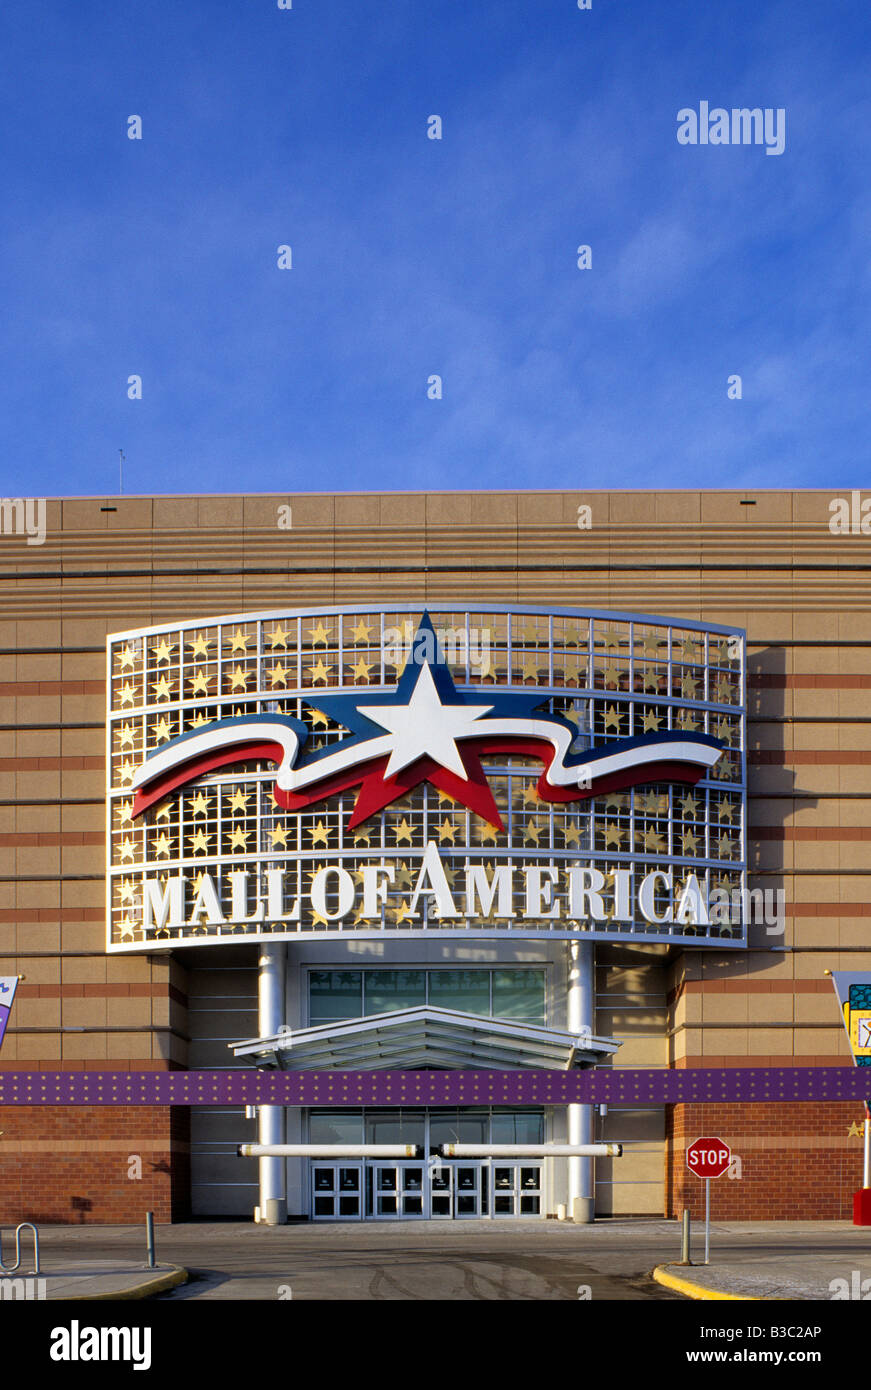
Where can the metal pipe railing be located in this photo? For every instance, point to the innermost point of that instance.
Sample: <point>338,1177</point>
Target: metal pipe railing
<point>532,1150</point>
<point>328,1151</point>
<point>24,1226</point>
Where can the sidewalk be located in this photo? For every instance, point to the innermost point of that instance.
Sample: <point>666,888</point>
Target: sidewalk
<point>85,1280</point>
<point>837,1263</point>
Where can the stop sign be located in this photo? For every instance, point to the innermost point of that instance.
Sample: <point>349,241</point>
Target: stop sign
<point>708,1157</point>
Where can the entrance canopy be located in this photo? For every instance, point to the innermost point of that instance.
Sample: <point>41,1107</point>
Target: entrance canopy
<point>425,1037</point>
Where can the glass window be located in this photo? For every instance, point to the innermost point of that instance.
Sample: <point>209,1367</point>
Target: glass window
<point>395,1127</point>
<point>458,1127</point>
<point>517,1127</point>
<point>334,995</point>
<point>465,990</point>
<point>336,1127</point>
<point>519,994</point>
<point>388,991</point>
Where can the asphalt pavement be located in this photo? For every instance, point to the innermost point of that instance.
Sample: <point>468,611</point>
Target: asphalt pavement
<point>473,1260</point>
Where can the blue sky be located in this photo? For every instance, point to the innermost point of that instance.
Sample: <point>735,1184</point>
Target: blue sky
<point>414,257</point>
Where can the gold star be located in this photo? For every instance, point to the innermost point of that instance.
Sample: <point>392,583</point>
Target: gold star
<point>317,920</point>
<point>239,800</point>
<point>319,636</point>
<point>724,730</point>
<point>279,835</point>
<point>447,831</point>
<point>319,671</point>
<point>690,649</point>
<point>651,721</point>
<point>651,681</point>
<point>239,838</point>
<point>126,926</point>
<point>688,685</point>
<point>277,675</point>
<point>239,641</point>
<point>572,834</point>
<point>361,632</point>
<point>126,849</point>
<point>612,718</point>
<point>724,847</point>
<point>199,720</point>
<point>689,806</point>
<point>403,878</point>
<point>125,891</point>
<point>531,797</point>
<point>485,833</point>
<point>319,834</point>
<point>572,638</point>
<point>126,771</point>
<point>689,843</point>
<point>126,658</point>
<point>361,837</point>
<point>125,736</point>
<point>726,808</point>
<point>161,689</point>
<point>278,638</point>
<point>199,805</point>
<point>403,831</point>
<point>532,833</point>
<point>199,842</point>
<point>856,1131</point>
<point>162,845</point>
<point>199,682</point>
<point>361,669</point>
<point>161,730</point>
<point>200,646</point>
<point>125,812</point>
<point>401,913</point>
<point>125,693</point>
<point>686,719</point>
<point>615,802</point>
<point>611,675</point>
<point>653,840</point>
<point>319,719</point>
<point>162,812</point>
<point>651,647</point>
<point>162,650</point>
<point>529,633</point>
<point>724,692</point>
<point>614,835</point>
<point>530,671</point>
<point>238,678</point>
<point>610,641</point>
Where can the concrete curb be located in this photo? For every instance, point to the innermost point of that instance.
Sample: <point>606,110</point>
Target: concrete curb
<point>170,1279</point>
<point>662,1274</point>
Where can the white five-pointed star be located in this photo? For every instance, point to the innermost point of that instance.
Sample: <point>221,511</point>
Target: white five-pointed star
<point>425,727</point>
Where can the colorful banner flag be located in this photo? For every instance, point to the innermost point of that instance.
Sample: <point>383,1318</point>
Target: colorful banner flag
<point>853,991</point>
<point>8,986</point>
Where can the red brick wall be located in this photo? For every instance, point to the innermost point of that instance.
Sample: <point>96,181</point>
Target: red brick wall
<point>69,1164</point>
<point>798,1161</point>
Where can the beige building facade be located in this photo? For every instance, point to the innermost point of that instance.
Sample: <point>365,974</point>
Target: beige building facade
<point>789,569</point>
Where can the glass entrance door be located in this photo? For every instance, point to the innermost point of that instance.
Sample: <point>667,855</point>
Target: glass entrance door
<point>337,1191</point>
<point>470,1188</point>
<point>516,1188</point>
<point>396,1190</point>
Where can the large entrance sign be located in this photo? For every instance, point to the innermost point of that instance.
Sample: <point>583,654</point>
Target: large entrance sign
<point>376,772</point>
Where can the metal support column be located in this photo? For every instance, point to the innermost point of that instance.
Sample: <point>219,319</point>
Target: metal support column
<point>271,984</point>
<point>579,1019</point>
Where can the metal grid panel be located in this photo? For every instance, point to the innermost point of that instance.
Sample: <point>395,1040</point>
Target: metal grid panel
<point>612,675</point>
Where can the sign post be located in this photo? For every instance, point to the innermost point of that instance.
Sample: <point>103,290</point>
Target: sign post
<point>853,993</point>
<point>708,1158</point>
